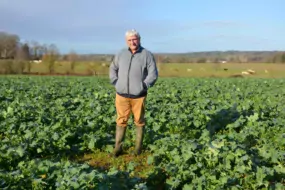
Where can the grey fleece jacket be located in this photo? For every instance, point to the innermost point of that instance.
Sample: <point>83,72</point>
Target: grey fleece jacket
<point>133,74</point>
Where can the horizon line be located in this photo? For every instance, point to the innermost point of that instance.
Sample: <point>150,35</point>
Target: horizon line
<point>186,52</point>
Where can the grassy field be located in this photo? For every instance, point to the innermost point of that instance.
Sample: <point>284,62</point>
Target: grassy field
<point>181,70</point>
<point>223,70</point>
<point>264,70</point>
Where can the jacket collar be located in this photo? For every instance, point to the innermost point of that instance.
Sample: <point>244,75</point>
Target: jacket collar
<point>139,50</point>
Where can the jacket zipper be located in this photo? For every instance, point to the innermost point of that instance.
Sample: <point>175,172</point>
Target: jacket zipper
<point>129,74</point>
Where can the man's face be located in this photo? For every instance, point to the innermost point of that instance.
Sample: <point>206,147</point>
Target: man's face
<point>133,42</point>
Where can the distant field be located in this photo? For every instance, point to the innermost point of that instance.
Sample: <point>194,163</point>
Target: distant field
<point>222,70</point>
<point>266,70</point>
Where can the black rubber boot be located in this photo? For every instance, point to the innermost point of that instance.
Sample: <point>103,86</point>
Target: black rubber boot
<point>120,135</point>
<point>139,140</point>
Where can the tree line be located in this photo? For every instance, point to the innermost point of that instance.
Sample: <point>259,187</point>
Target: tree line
<point>12,48</point>
<point>15,55</point>
<point>224,56</point>
<point>20,54</point>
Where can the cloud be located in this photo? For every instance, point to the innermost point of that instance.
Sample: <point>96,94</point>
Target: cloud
<point>222,24</point>
<point>242,38</point>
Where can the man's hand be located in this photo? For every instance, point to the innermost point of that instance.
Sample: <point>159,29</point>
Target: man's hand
<point>113,72</point>
<point>152,71</point>
<point>144,86</point>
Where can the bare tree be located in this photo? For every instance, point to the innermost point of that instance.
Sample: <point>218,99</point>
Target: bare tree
<point>35,46</point>
<point>8,45</point>
<point>72,58</point>
<point>22,58</point>
<point>42,50</point>
<point>23,52</point>
<point>50,57</point>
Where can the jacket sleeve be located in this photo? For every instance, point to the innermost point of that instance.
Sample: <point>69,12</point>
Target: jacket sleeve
<point>113,71</point>
<point>151,70</point>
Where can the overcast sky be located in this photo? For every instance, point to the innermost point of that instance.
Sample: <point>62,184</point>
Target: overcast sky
<point>98,26</point>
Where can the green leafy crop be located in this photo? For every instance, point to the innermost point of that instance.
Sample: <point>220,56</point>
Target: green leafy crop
<point>200,134</point>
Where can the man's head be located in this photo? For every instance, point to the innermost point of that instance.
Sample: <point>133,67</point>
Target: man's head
<point>133,39</point>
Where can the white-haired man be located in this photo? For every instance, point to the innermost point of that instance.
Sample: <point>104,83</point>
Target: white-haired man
<point>132,72</point>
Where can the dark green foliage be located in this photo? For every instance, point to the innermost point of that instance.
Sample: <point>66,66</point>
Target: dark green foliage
<point>202,133</point>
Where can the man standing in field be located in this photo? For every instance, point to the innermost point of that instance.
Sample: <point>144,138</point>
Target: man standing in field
<point>132,72</point>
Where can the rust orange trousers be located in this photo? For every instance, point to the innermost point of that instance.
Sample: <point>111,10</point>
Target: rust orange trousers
<point>126,106</point>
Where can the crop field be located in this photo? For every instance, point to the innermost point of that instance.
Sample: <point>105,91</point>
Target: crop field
<point>211,133</point>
